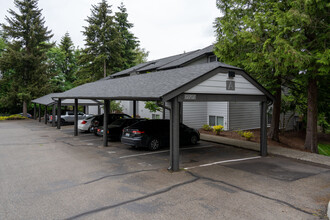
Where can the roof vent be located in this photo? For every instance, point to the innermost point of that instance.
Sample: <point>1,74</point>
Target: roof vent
<point>231,74</point>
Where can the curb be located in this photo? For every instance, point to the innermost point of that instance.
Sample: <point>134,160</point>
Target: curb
<point>328,213</point>
<point>278,151</point>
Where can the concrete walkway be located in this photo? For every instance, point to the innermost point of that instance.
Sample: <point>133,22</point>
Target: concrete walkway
<point>279,151</point>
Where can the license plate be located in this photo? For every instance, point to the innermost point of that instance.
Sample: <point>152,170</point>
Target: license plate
<point>127,134</point>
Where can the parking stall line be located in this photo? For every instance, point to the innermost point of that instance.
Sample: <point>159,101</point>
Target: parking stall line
<point>221,162</point>
<point>137,155</point>
<point>158,152</point>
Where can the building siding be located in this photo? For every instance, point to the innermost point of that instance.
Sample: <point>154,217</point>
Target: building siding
<point>217,85</point>
<point>218,109</point>
<point>195,114</point>
<point>244,115</point>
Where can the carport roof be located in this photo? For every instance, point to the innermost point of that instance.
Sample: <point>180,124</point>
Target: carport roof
<point>47,100</point>
<point>160,85</point>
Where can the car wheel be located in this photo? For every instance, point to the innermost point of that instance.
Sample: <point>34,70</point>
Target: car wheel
<point>62,122</point>
<point>154,144</point>
<point>194,139</point>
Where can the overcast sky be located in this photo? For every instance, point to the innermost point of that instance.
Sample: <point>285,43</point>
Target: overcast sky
<point>164,28</point>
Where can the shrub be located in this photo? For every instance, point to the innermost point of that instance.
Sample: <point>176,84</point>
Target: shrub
<point>12,117</point>
<point>217,129</point>
<point>248,135</point>
<point>207,128</point>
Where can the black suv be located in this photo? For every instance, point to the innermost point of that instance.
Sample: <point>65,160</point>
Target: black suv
<point>154,134</point>
<point>98,120</point>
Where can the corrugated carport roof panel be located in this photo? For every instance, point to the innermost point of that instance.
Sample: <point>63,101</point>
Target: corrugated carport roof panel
<point>150,86</point>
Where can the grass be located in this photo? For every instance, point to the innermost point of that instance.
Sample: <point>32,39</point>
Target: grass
<point>324,149</point>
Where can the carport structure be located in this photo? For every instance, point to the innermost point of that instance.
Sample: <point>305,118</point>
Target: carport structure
<point>48,101</point>
<point>197,83</point>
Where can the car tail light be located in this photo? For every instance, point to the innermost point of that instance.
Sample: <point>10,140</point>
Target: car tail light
<point>83,122</point>
<point>138,132</point>
<point>98,130</point>
<point>107,132</point>
<point>51,118</point>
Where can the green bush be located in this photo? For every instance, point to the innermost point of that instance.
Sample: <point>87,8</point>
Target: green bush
<point>240,132</point>
<point>207,128</point>
<point>12,117</point>
<point>248,135</point>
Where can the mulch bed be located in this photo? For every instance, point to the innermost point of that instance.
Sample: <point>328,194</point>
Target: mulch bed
<point>288,139</point>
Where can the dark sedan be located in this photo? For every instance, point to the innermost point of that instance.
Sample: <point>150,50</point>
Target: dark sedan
<point>154,134</point>
<point>115,128</point>
<point>98,120</point>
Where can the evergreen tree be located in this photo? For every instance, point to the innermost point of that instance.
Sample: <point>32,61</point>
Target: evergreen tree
<point>101,55</point>
<point>128,40</point>
<point>280,43</point>
<point>25,55</point>
<point>69,66</point>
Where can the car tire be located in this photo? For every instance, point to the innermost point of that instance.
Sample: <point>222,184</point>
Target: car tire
<point>193,139</point>
<point>154,144</point>
<point>62,121</point>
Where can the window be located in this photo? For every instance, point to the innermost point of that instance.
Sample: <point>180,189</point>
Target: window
<point>212,58</point>
<point>215,120</point>
<point>155,116</point>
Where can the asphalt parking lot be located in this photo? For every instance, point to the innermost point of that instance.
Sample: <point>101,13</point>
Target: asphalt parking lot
<point>47,173</point>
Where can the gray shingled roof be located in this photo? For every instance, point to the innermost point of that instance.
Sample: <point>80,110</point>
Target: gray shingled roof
<point>190,57</point>
<point>164,63</point>
<point>47,100</point>
<point>150,86</point>
<point>129,70</point>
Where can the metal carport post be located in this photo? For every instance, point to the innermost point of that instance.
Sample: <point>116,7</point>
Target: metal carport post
<point>105,121</point>
<point>59,114</point>
<point>263,129</point>
<point>35,111</point>
<point>53,115</point>
<point>45,114</point>
<point>75,109</point>
<point>39,112</point>
<point>174,135</point>
<point>134,108</point>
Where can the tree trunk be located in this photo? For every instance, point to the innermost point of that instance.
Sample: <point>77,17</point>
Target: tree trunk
<point>274,127</point>
<point>24,109</point>
<point>311,129</point>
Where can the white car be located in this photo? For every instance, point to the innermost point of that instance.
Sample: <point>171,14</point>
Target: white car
<point>85,124</point>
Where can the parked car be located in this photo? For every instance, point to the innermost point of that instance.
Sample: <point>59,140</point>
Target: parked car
<point>154,134</point>
<point>27,115</point>
<point>68,117</point>
<point>84,125</point>
<point>115,129</point>
<point>98,120</point>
